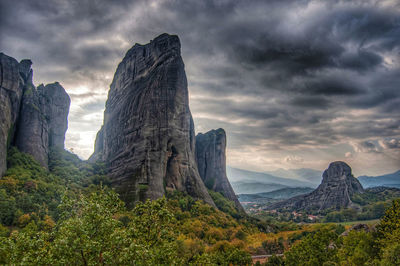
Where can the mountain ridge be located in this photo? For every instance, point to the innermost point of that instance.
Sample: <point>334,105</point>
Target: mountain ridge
<point>389,180</point>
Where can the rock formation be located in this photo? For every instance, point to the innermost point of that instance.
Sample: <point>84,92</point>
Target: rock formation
<point>55,105</point>
<point>148,139</point>
<point>335,191</point>
<point>11,89</point>
<point>32,131</point>
<point>211,162</point>
<point>359,227</point>
<point>43,120</point>
<point>34,119</point>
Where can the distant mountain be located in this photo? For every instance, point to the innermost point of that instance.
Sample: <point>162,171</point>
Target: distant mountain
<point>283,193</point>
<point>252,187</point>
<point>245,182</point>
<point>286,193</point>
<point>304,174</point>
<point>389,180</point>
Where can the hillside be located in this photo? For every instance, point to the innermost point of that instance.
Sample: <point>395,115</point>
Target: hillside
<point>39,201</point>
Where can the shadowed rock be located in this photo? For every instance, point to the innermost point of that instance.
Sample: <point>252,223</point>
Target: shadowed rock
<point>33,132</point>
<point>31,119</point>
<point>148,139</point>
<point>335,191</point>
<point>211,161</point>
<point>55,104</point>
<point>11,89</point>
<point>43,120</point>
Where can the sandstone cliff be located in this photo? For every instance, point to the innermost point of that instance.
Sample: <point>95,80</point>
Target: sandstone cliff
<point>335,191</point>
<point>148,139</point>
<point>211,162</point>
<point>32,119</point>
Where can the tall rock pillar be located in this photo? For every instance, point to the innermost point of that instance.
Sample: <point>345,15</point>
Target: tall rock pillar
<point>148,139</point>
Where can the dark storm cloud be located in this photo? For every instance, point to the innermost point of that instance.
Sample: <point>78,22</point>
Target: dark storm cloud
<point>59,32</point>
<point>274,74</point>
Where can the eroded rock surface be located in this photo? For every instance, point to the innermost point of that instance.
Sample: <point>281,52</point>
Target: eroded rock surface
<point>32,131</point>
<point>148,139</point>
<point>335,191</point>
<point>55,104</point>
<point>31,119</point>
<point>43,120</point>
<point>11,89</point>
<point>211,162</point>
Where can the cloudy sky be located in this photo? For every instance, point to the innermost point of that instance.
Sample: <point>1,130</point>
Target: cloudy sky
<point>294,83</point>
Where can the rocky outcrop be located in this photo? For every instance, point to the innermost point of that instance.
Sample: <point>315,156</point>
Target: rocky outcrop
<point>32,131</point>
<point>43,120</point>
<point>148,139</point>
<point>55,104</point>
<point>211,162</point>
<point>359,227</point>
<point>34,120</point>
<point>335,191</point>
<point>11,89</point>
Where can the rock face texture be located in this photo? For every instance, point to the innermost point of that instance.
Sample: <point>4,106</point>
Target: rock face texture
<point>211,162</point>
<point>11,89</point>
<point>148,139</point>
<point>32,131</point>
<point>55,104</point>
<point>31,119</point>
<point>335,191</point>
<point>43,120</point>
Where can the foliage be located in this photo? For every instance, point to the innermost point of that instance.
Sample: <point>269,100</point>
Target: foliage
<point>225,205</point>
<point>314,249</point>
<point>67,215</point>
<point>29,188</point>
<point>376,195</point>
<point>325,246</point>
<point>369,211</point>
<point>26,188</point>
<point>389,226</point>
<point>357,248</point>
<point>89,232</point>
<point>275,261</point>
<point>275,246</point>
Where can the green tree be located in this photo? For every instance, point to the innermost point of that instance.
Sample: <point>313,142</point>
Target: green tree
<point>389,226</point>
<point>388,235</point>
<point>87,230</point>
<point>314,249</point>
<point>357,248</point>
<point>275,261</point>
<point>153,233</point>
<point>7,208</point>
